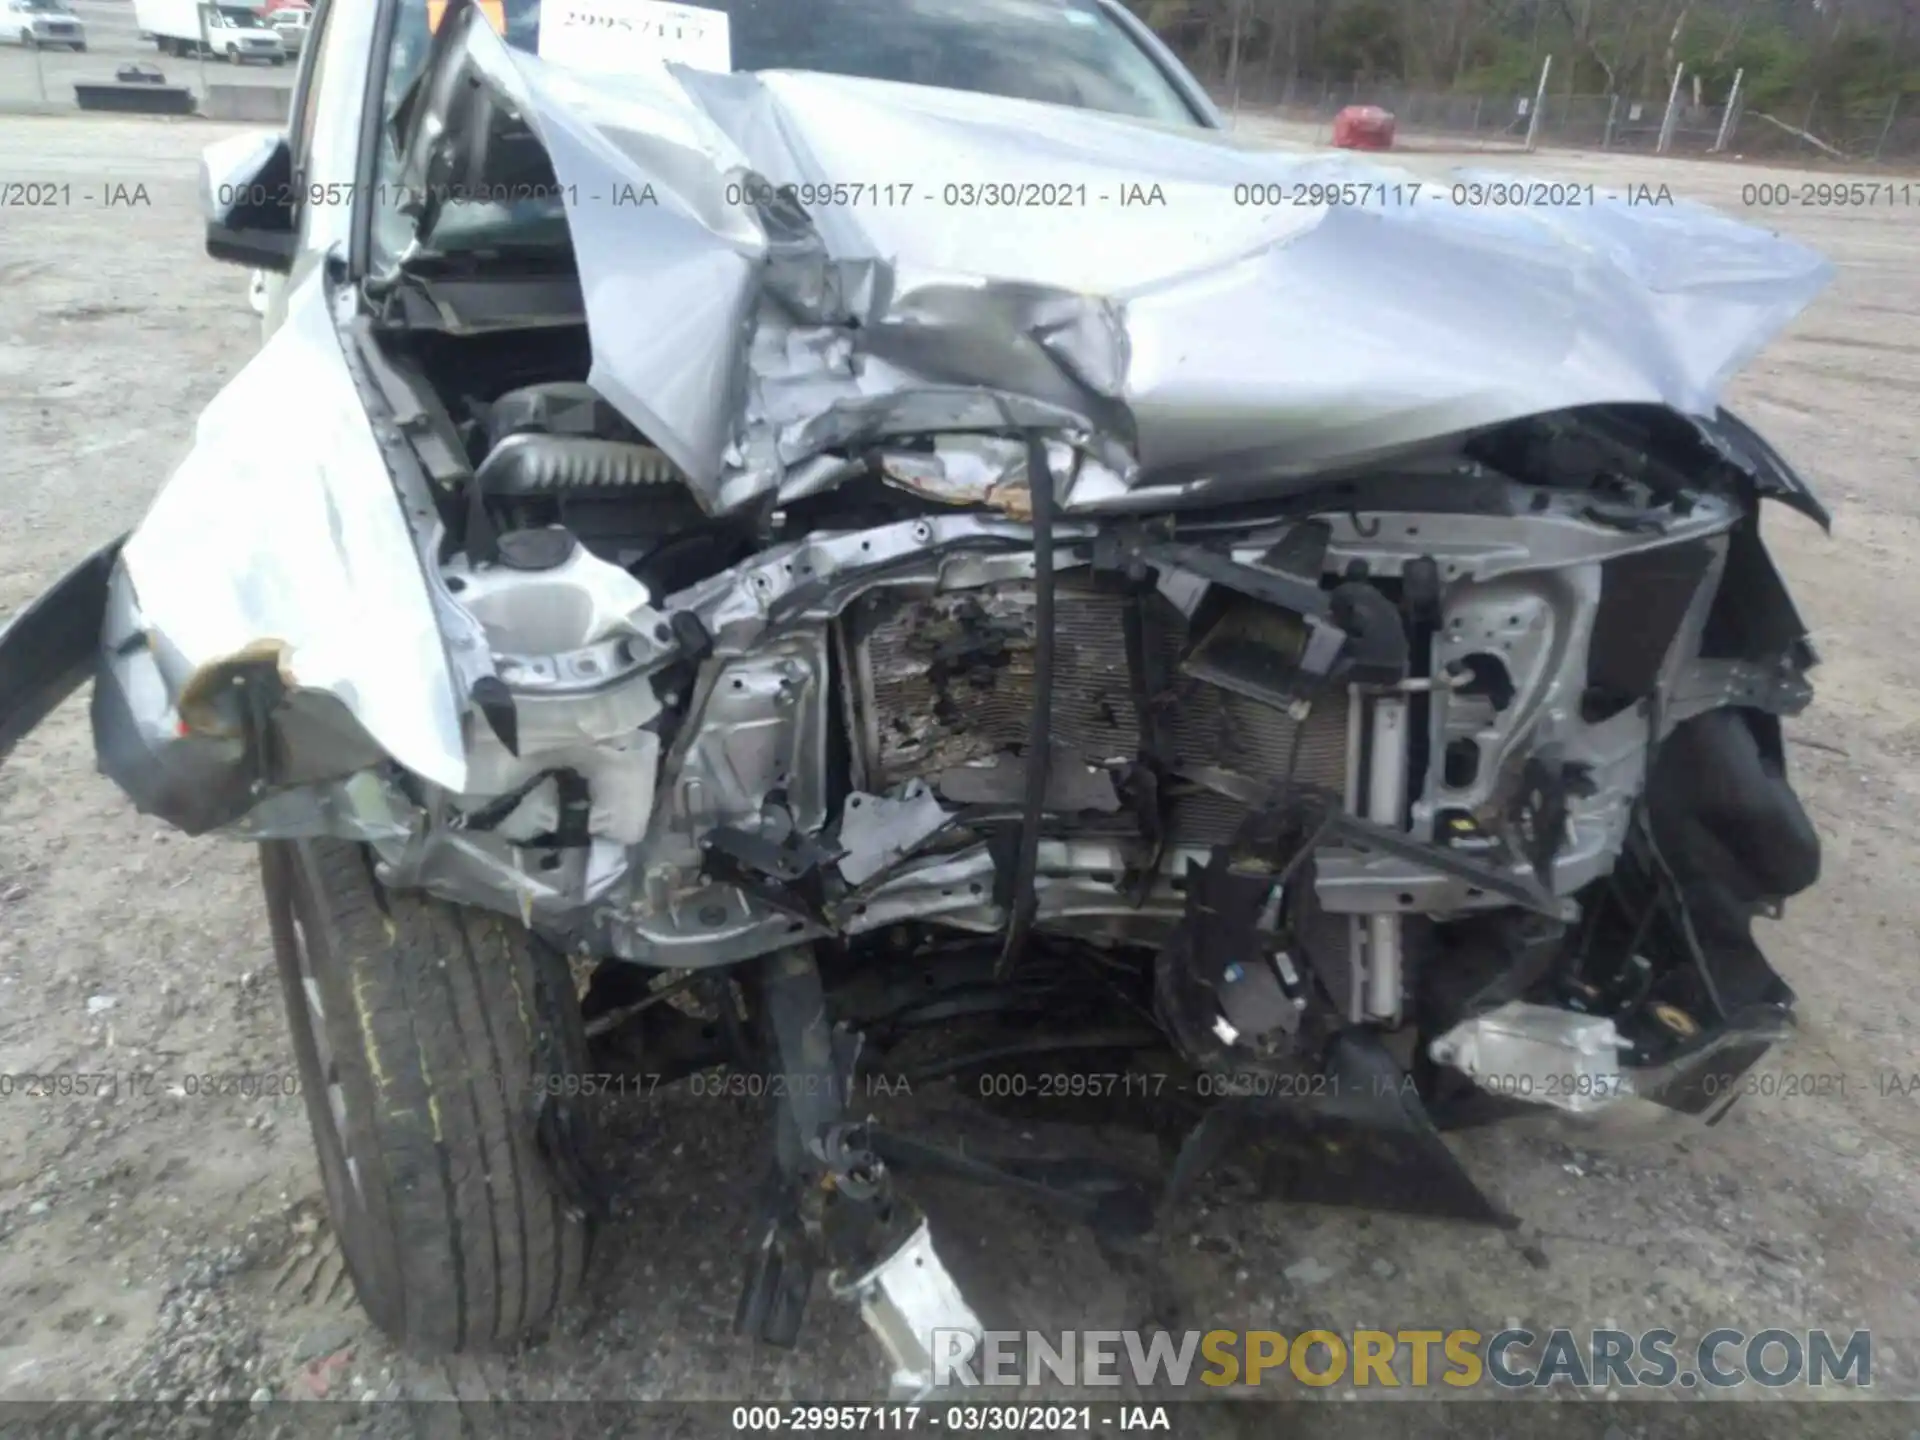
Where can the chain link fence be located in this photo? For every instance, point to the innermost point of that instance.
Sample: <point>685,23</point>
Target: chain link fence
<point>1874,132</point>
<point>1883,132</point>
<point>1485,122</point>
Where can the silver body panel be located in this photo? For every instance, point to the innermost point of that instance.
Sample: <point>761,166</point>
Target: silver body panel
<point>1197,341</point>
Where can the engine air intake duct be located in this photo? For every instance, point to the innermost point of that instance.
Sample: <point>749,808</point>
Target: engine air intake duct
<point>528,466</point>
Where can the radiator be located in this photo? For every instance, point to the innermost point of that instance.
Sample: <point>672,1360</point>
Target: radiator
<point>946,679</point>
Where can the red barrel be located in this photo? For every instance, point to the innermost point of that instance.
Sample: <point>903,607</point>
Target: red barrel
<point>1363,127</point>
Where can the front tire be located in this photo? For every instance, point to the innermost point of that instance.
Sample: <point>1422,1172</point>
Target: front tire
<point>425,1034</point>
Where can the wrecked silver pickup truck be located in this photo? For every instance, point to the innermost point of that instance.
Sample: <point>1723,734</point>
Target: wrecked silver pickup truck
<point>769,565</point>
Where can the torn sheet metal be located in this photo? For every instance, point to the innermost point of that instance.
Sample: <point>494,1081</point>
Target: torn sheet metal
<point>877,831</point>
<point>988,470</point>
<point>1003,263</point>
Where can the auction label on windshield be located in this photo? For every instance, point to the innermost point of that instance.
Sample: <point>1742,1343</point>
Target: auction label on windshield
<point>622,34</point>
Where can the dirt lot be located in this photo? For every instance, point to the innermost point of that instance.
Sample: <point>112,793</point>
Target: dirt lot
<point>167,1241</point>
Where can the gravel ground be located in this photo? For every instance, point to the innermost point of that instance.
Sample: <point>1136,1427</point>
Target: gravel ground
<point>167,1241</point>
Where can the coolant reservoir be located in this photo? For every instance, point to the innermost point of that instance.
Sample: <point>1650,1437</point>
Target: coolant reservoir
<point>548,594</point>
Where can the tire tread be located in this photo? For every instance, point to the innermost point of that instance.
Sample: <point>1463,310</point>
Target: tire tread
<point>447,1002</point>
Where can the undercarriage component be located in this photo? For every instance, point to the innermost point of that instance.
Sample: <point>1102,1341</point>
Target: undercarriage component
<point>1221,981</point>
<point>1539,1053</point>
<point>911,1303</point>
<point>813,1065</point>
<point>830,1195</point>
<point>1112,1202</point>
<point>1351,1131</point>
<point>1691,1078</point>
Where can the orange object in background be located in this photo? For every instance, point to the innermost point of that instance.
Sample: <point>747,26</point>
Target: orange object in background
<point>494,10</point>
<point>1363,127</point>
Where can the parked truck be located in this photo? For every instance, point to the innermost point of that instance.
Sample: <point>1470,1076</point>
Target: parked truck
<point>226,32</point>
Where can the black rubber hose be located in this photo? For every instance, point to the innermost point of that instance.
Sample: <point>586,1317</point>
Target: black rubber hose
<point>1025,900</point>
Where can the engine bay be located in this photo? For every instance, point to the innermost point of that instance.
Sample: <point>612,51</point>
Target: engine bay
<point>1377,800</point>
<point>1387,741</point>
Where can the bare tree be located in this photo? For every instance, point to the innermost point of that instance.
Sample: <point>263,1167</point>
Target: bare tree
<point>1741,12</point>
<point>1672,57</point>
<point>1579,14</point>
<point>1238,20</point>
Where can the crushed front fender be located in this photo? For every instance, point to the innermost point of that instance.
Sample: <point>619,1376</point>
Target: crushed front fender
<point>269,625</point>
<point>200,746</point>
<point>281,532</point>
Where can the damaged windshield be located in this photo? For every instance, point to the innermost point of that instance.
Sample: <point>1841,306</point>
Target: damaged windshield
<point>1062,52</point>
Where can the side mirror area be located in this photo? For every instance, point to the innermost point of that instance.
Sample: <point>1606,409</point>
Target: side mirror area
<point>247,197</point>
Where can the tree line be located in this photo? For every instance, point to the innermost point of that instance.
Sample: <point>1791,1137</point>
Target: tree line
<point>1839,52</point>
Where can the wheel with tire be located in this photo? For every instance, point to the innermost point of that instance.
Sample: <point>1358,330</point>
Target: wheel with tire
<point>429,1038</point>
<point>26,39</point>
<point>233,55</point>
<point>79,47</point>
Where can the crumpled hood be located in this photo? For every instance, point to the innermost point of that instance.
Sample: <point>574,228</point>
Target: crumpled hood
<point>1139,304</point>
